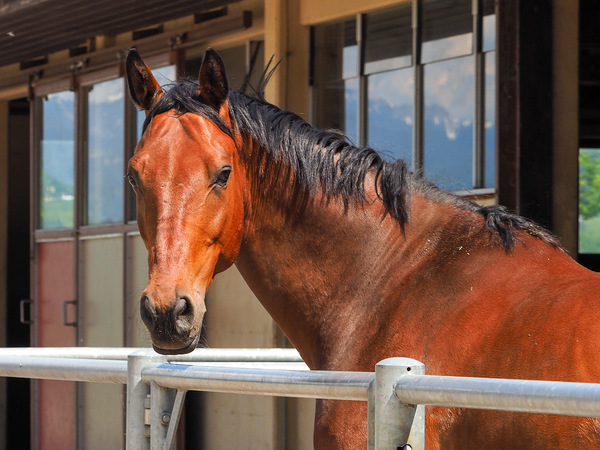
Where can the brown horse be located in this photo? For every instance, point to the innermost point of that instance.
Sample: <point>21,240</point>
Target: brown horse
<point>355,258</point>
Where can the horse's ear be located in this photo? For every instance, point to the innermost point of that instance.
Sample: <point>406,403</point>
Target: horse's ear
<point>143,87</point>
<point>214,87</point>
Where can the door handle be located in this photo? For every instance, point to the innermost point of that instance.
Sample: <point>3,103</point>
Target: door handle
<point>65,307</point>
<point>22,318</point>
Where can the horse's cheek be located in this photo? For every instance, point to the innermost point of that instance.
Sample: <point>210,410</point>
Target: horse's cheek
<point>231,246</point>
<point>234,225</point>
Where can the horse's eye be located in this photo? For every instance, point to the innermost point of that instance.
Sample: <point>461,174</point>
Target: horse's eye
<point>131,180</point>
<point>223,177</point>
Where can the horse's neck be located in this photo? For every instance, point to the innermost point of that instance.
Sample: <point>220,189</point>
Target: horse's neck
<point>319,275</point>
<point>299,270</point>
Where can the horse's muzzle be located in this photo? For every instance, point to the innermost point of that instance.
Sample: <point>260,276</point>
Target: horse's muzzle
<point>172,329</point>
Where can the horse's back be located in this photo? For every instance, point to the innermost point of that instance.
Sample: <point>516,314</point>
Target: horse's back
<point>545,327</point>
<point>533,315</point>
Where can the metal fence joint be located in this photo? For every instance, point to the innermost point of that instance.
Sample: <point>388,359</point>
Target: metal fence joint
<point>396,424</point>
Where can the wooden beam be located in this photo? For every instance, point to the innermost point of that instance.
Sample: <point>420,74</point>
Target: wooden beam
<point>524,108</point>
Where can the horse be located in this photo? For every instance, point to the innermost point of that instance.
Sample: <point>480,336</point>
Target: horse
<point>356,259</point>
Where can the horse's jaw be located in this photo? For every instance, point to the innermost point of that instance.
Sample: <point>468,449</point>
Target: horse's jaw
<point>178,351</point>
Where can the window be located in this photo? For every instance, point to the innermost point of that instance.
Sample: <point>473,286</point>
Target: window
<point>589,201</point>
<point>448,122</point>
<point>105,156</point>
<point>389,81</point>
<point>336,77</point>
<point>415,82</point>
<point>57,161</point>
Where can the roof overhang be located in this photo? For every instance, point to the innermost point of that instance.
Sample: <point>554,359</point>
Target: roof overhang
<point>31,29</point>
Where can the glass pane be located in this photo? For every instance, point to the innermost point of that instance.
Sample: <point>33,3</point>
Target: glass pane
<point>447,29</point>
<point>350,106</point>
<point>448,127</point>
<point>390,113</point>
<point>164,76</point>
<point>489,25</point>
<point>105,153</point>
<point>57,159</point>
<point>388,39</point>
<point>490,120</point>
<point>335,78</point>
<point>589,201</point>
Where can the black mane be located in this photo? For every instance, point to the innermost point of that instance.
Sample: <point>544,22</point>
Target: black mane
<point>288,147</point>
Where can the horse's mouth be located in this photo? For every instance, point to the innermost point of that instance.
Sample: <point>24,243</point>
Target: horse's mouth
<point>178,351</point>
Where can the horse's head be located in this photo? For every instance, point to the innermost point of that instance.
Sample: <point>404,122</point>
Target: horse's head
<point>189,192</point>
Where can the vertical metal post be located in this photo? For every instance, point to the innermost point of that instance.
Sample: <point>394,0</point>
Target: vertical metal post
<point>166,406</point>
<point>137,439</point>
<point>419,101</point>
<point>363,95</point>
<point>161,401</point>
<point>396,425</point>
<point>371,416</point>
<point>479,122</point>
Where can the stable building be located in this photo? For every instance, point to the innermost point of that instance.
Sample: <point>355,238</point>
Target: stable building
<point>495,101</point>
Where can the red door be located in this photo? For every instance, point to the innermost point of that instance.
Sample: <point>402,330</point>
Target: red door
<point>56,400</point>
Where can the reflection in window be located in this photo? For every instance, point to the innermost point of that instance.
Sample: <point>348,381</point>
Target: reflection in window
<point>490,120</point>
<point>449,113</point>
<point>105,153</point>
<point>57,148</point>
<point>336,77</point>
<point>489,25</point>
<point>447,29</point>
<point>589,201</point>
<point>388,39</point>
<point>390,113</point>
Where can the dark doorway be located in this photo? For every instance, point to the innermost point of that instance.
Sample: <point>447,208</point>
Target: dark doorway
<point>18,281</point>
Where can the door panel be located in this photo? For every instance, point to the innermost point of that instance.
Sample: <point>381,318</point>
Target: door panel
<point>56,399</point>
<point>137,270</point>
<point>101,325</point>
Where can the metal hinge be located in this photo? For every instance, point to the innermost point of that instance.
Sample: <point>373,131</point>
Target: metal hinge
<point>147,414</point>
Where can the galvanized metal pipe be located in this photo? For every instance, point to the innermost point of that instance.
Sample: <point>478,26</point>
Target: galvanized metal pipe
<point>239,355</point>
<point>121,353</point>
<point>564,398</point>
<point>250,365</point>
<point>283,383</point>
<point>104,353</point>
<point>64,369</point>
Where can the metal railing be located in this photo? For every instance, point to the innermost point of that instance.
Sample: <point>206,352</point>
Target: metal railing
<point>156,387</point>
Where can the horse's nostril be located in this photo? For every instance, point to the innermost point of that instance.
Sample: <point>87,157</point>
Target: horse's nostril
<point>147,311</point>
<point>182,307</point>
<point>183,315</point>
